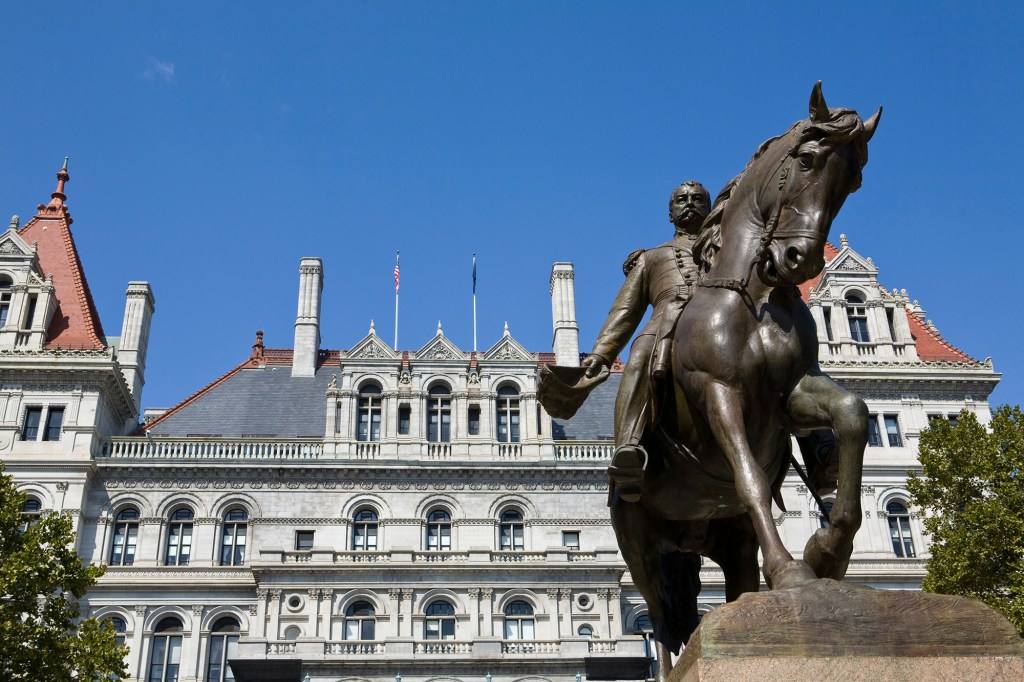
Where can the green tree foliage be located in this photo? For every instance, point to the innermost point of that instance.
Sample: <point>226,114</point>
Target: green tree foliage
<point>972,489</point>
<point>42,579</point>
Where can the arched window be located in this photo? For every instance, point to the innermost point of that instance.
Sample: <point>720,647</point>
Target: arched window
<point>292,633</point>
<point>31,510</point>
<point>643,624</point>
<point>126,536</point>
<point>508,414</point>
<point>439,414</point>
<point>857,314</point>
<point>223,647</point>
<point>368,427</point>
<point>179,537</point>
<point>165,654</point>
<point>360,621</point>
<point>519,620</point>
<point>439,530</point>
<point>440,621</point>
<point>5,300</point>
<point>364,530</point>
<point>120,628</point>
<point>232,544</point>
<point>899,530</point>
<point>826,506</point>
<point>510,532</point>
<point>585,631</point>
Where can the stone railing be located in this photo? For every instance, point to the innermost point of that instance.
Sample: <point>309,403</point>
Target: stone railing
<point>443,648</point>
<point>405,556</point>
<point>531,647</point>
<point>513,557</point>
<point>602,646</point>
<point>584,450</point>
<point>354,648</point>
<point>281,648</point>
<point>356,557</point>
<point>211,448</point>
<point>435,557</point>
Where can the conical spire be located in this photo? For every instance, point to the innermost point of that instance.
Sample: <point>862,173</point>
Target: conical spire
<point>57,197</point>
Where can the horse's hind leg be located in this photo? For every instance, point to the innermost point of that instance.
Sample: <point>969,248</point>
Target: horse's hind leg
<point>732,544</point>
<point>817,402</point>
<point>725,416</point>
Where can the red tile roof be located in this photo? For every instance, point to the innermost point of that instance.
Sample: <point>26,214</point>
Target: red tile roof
<point>75,324</point>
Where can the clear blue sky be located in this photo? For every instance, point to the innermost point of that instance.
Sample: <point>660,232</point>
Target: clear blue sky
<point>214,144</point>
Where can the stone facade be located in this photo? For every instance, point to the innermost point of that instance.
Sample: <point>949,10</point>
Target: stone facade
<point>368,514</point>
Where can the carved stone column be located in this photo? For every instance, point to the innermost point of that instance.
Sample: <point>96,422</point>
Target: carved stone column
<point>137,661</point>
<point>461,408</point>
<point>326,612</point>
<point>259,627</point>
<point>602,608</point>
<point>566,594</point>
<point>614,613</point>
<point>273,632</point>
<point>405,617</point>
<point>395,598</point>
<point>485,597</point>
<point>556,624</point>
<point>313,611</point>
<point>194,650</point>
<point>149,548</point>
<point>474,613</point>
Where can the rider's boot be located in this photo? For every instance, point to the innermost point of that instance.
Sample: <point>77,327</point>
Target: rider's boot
<point>627,471</point>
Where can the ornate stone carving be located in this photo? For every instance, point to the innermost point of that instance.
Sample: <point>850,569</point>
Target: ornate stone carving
<point>62,486</point>
<point>197,610</point>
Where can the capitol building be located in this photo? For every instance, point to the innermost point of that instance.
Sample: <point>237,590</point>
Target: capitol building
<point>340,511</point>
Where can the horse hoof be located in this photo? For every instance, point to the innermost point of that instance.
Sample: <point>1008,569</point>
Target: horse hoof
<point>792,574</point>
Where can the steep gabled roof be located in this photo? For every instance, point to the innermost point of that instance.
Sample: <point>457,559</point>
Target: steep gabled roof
<point>931,347</point>
<point>75,324</point>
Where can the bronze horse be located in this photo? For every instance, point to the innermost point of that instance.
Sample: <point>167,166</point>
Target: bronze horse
<point>746,378</point>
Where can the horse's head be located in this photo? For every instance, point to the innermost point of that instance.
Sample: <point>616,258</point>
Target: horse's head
<point>788,195</point>
<point>819,165</point>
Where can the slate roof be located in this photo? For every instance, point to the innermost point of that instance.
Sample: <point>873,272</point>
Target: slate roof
<point>254,402</point>
<point>596,419</point>
<point>75,324</point>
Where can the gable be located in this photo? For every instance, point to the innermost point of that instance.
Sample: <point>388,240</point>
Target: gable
<point>508,349</point>
<point>440,348</point>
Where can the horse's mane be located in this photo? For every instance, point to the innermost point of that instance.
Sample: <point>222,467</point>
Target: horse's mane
<point>842,127</point>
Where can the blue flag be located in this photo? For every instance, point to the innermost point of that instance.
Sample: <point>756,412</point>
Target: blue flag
<point>474,274</point>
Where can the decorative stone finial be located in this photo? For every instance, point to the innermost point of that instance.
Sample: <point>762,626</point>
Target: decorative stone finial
<point>57,197</point>
<point>870,261</point>
<point>440,331</point>
<point>334,381</point>
<point>373,329</point>
<point>505,333</point>
<point>15,222</point>
<point>257,348</point>
<point>843,243</point>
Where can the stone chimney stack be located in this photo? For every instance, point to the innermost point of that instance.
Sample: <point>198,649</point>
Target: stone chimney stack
<point>138,313</point>
<point>307,322</point>
<point>566,342</point>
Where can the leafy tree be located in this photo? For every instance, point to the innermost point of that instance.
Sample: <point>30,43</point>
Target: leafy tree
<point>972,489</point>
<point>42,579</point>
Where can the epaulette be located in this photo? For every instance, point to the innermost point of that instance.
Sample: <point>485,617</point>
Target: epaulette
<point>630,261</point>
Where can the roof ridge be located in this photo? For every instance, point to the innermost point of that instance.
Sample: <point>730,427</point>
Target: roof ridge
<point>247,363</point>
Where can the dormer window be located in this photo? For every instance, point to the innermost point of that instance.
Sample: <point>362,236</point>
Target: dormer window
<point>5,301</point>
<point>857,314</point>
<point>369,413</point>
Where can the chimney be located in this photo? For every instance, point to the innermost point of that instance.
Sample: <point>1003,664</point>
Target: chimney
<point>566,342</point>
<point>138,313</point>
<point>307,322</point>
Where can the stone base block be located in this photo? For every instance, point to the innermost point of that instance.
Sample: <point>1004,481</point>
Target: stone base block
<point>827,630</point>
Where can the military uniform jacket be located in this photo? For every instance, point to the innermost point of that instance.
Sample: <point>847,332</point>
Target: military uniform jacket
<point>661,277</point>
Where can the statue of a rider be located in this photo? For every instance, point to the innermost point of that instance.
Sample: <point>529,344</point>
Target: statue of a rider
<point>662,277</point>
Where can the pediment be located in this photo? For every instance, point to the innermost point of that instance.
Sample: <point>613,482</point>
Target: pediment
<point>13,246</point>
<point>440,348</point>
<point>508,348</point>
<point>849,261</point>
<point>372,348</point>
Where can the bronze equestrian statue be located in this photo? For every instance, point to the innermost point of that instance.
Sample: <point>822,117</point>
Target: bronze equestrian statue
<point>746,378</point>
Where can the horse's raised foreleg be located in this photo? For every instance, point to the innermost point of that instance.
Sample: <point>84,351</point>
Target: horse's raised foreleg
<point>725,417</point>
<point>819,402</point>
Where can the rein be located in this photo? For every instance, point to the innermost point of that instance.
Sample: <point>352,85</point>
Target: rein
<point>769,233</point>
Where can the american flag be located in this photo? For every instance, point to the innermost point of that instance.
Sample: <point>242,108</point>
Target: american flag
<point>396,272</point>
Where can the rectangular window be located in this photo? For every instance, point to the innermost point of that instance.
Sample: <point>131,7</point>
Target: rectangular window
<point>31,316</point>
<point>304,540</point>
<point>892,323</point>
<point>827,313</point>
<point>874,435</point>
<point>54,420</point>
<point>30,430</point>
<point>892,430</point>
<point>404,419</point>
<point>474,420</point>
<point>953,418</point>
<point>5,307</point>
<point>571,539</point>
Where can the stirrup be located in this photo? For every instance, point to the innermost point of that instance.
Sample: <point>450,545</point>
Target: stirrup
<point>626,470</point>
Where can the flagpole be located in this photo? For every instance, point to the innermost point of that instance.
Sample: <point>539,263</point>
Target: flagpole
<point>474,302</point>
<point>396,299</point>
